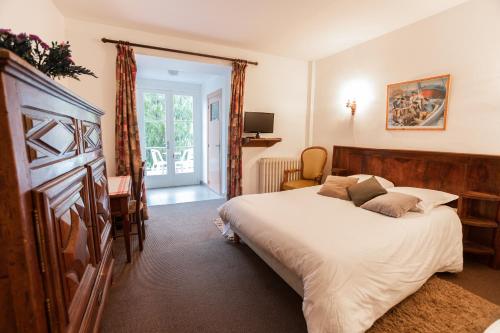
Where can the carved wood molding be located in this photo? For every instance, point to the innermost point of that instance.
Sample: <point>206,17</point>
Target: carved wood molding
<point>48,139</point>
<point>91,136</point>
<point>66,225</point>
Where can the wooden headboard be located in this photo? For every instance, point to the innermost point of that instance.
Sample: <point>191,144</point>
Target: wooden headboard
<point>450,172</point>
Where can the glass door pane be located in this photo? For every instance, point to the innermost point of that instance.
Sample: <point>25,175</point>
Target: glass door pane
<point>155,122</point>
<point>183,134</point>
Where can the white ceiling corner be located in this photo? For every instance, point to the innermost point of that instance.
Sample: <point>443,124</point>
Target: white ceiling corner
<point>308,30</point>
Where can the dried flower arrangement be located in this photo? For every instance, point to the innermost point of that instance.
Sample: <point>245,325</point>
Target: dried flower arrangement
<point>54,60</point>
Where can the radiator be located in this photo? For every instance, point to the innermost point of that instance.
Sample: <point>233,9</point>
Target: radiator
<point>271,171</point>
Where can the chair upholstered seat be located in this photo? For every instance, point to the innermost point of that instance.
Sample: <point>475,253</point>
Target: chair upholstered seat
<point>295,184</point>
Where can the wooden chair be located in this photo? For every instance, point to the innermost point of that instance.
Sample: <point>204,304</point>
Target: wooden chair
<point>136,206</point>
<point>135,210</point>
<point>313,161</point>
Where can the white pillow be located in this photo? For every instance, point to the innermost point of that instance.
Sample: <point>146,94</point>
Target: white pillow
<point>384,182</point>
<point>493,328</point>
<point>430,198</point>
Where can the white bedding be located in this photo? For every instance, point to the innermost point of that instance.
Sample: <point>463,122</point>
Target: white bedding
<point>354,264</point>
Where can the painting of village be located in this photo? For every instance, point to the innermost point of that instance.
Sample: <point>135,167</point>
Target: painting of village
<point>419,104</point>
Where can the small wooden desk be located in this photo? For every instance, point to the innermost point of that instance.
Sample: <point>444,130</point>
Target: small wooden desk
<point>120,191</point>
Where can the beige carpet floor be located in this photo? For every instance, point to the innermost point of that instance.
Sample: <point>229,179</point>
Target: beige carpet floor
<point>188,279</point>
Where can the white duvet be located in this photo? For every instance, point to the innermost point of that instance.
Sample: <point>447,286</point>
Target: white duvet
<point>354,264</point>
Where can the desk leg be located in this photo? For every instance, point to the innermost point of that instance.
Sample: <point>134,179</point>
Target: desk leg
<point>126,235</point>
<point>138,220</point>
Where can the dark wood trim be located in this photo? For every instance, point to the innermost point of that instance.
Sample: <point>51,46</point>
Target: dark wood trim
<point>259,142</point>
<point>338,172</point>
<point>197,54</point>
<point>451,172</point>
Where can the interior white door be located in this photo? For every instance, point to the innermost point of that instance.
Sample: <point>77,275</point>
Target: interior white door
<point>214,141</point>
<point>168,138</point>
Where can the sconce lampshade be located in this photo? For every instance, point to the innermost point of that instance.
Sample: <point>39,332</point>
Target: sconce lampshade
<point>352,106</point>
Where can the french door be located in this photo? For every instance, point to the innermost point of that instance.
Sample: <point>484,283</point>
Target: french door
<point>167,121</point>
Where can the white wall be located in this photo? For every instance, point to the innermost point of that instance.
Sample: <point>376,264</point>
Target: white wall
<point>276,85</point>
<point>462,41</point>
<point>279,86</point>
<point>40,17</point>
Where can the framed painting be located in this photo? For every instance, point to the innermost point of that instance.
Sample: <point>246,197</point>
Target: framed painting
<point>419,104</point>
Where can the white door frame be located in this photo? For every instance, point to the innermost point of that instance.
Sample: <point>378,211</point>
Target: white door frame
<point>169,89</point>
<point>212,95</point>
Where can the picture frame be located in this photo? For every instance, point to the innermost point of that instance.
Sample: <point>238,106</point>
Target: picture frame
<point>420,104</point>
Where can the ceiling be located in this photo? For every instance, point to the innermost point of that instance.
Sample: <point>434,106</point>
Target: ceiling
<point>299,29</point>
<point>157,68</point>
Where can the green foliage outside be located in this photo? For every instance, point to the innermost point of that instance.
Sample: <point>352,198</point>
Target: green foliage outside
<point>183,121</point>
<point>154,119</point>
<point>155,123</point>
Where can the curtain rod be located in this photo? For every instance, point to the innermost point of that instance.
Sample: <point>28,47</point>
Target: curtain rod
<point>107,40</point>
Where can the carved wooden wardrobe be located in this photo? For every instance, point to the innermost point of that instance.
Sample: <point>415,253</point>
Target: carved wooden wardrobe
<point>55,245</point>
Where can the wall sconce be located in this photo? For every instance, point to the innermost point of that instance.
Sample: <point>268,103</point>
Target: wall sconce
<point>352,106</point>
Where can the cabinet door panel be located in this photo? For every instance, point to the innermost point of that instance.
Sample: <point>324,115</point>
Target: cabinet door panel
<point>99,197</point>
<point>67,248</point>
<point>91,136</point>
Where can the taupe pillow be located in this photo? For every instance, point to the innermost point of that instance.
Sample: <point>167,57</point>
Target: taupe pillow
<point>336,187</point>
<point>364,191</point>
<point>392,204</point>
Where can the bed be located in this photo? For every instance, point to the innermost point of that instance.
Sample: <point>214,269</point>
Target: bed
<point>351,265</point>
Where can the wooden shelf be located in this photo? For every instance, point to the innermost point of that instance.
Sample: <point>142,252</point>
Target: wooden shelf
<point>474,215</point>
<point>475,248</point>
<point>259,142</point>
<point>481,196</point>
<point>479,222</point>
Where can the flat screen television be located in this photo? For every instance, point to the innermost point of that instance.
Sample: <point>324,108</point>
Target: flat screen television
<point>258,122</point>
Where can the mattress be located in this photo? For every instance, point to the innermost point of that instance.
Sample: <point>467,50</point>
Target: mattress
<point>353,264</point>
<point>289,277</point>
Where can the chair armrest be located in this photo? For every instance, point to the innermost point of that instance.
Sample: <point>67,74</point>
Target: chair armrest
<point>287,172</point>
<point>286,177</point>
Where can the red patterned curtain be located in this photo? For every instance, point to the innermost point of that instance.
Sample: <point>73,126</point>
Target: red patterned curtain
<point>127,146</point>
<point>236,130</point>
